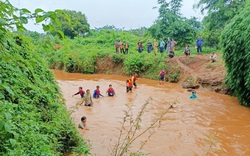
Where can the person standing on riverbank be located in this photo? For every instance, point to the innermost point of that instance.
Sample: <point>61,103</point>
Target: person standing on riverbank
<point>81,92</point>
<point>199,44</point>
<point>140,48</point>
<point>87,100</point>
<point>149,46</point>
<point>122,47</point>
<point>168,45</point>
<point>155,46</point>
<point>126,47</point>
<point>117,47</point>
<point>162,43</point>
<point>173,44</point>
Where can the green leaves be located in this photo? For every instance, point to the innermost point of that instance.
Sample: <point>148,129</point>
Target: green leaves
<point>39,10</point>
<point>235,43</point>
<point>71,23</point>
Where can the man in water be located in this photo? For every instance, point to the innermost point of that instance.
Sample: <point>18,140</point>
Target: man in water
<point>87,100</point>
<point>193,95</point>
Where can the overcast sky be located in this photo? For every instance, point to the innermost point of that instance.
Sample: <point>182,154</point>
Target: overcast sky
<point>128,14</point>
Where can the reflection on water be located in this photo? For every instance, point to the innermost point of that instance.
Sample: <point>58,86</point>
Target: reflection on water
<point>214,124</point>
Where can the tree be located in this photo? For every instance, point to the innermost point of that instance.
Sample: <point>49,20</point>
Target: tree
<point>219,13</point>
<point>235,43</point>
<point>171,24</point>
<point>72,25</point>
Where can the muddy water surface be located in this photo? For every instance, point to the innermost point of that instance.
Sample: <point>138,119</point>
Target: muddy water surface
<point>214,124</point>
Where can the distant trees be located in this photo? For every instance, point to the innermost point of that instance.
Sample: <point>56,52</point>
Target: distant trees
<point>170,23</point>
<point>219,13</point>
<point>73,24</point>
<point>235,43</point>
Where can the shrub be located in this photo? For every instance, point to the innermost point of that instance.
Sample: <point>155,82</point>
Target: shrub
<point>235,42</point>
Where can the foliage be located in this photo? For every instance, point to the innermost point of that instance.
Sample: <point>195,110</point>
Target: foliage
<point>33,119</point>
<point>219,13</point>
<point>72,24</point>
<point>171,24</point>
<point>235,42</point>
<point>137,63</point>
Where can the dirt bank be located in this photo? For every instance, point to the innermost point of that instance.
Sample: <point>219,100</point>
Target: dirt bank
<point>192,72</point>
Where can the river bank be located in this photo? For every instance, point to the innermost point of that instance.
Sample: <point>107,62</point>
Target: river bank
<point>189,72</point>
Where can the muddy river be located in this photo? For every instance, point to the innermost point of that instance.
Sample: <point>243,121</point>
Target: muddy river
<point>213,124</point>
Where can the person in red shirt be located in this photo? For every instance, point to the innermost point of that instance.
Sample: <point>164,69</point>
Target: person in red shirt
<point>162,76</point>
<point>129,83</point>
<point>110,91</point>
<point>81,92</point>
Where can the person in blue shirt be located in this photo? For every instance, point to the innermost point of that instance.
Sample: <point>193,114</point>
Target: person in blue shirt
<point>97,92</point>
<point>162,43</point>
<point>193,95</point>
<point>149,46</point>
<point>199,44</point>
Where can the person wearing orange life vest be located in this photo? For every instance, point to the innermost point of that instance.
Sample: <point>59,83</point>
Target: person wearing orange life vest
<point>134,78</point>
<point>110,91</point>
<point>129,84</point>
<point>97,92</point>
<point>126,47</point>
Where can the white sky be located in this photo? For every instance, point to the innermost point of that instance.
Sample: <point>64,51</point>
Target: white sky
<point>128,14</point>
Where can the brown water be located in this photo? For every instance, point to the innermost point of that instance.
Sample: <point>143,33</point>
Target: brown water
<point>213,124</point>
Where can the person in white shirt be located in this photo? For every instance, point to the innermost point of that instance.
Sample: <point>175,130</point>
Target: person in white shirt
<point>213,57</point>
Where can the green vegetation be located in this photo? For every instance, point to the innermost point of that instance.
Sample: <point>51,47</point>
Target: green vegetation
<point>219,13</point>
<point>33,118</point>
<point>71,23</point>
<point>171,24</point>
<point>235,41</point>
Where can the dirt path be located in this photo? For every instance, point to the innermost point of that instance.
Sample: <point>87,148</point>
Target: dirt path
<point>202,71</point>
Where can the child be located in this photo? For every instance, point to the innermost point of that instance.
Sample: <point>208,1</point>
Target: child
<point>129,84</point>
<point>134,78</point>
<point>87,99</point>
<point>110,91</point>
<point>97,92</point>
<point>193,95</point>
<point>82,124</point>
<point>171,54</point>
<point>213,57</point>
<point>81,92</point>
<point>187,51</point>
<point>162,76</point>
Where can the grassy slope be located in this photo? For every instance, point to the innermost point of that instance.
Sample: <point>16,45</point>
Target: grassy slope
<point>33,118</point>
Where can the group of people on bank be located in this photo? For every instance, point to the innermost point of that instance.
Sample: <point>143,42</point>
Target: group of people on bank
<point>168,46</point>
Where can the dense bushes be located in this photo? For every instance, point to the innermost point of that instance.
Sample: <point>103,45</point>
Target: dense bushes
<point>235,42</point>
<point>33,119</point>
